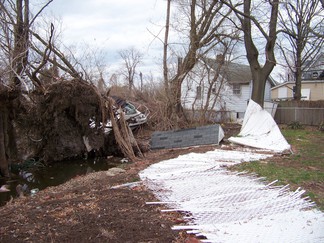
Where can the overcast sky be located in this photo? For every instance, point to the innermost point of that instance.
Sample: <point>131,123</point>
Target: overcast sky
<point>112,25</point>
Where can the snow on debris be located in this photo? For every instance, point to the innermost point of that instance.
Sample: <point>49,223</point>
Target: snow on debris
<point>227,207</point>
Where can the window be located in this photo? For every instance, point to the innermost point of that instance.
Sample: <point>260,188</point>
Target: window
<point>129,109</point>
<point>198,96</point>
<point>305,93</point>
<point>315,75</point>
<point>236,89</point>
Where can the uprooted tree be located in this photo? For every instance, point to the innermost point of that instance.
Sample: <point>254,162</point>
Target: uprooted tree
<point>48,118</point>
<point>14,52</point>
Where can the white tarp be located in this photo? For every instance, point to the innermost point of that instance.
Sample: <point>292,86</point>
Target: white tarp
<point>259,130</point>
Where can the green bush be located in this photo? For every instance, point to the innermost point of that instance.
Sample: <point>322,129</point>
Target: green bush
<point>295,125</point>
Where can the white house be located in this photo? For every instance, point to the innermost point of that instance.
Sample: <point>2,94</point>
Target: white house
<point>221,87</point>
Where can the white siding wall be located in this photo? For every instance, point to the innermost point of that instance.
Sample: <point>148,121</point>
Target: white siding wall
<point>189,94</point>
<point>232,102</point>
<point>189,88</point>
<point>189,91</point>
<point>238,102</point>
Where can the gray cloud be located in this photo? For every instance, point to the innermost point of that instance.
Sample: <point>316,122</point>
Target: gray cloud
<point>112,24</point>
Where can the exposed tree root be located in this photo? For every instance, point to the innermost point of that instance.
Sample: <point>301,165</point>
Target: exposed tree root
<point>55,126</point>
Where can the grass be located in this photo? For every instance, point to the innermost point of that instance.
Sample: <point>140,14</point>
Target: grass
<point>304,168</point>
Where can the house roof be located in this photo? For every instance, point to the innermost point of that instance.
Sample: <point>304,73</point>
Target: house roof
<point>233,72</point>
<point>315,63</point>
<point>293,83</point>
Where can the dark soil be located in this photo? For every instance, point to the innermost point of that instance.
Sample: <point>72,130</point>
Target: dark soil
<point>87,209</point>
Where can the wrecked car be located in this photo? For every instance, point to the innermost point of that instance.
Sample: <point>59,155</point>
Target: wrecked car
<point>132,115</point>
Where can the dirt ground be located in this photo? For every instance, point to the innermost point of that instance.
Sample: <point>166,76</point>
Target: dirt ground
<point>87,209</point>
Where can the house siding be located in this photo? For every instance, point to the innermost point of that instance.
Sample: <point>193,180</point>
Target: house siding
<point>189,97</point>
<point>316,90</point>
<point>236,104</point>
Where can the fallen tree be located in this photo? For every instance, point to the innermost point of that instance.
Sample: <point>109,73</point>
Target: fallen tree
<point>43,114</point>
<point>55,125</point>
<point>6,130</point>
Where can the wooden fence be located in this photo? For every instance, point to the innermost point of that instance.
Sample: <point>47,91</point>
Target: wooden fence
<point>304,112</point>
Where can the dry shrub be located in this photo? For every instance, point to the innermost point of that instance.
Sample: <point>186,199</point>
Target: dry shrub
<point>120,91</point>
<point>321,126</point>
<point>154,99</point>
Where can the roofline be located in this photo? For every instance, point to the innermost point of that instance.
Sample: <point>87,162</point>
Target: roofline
<point>270,78</point>
<point>307,68</point>
<point>243,82</point>
<point>291,82</point>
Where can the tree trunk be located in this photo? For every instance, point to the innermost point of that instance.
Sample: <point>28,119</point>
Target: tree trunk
<point>259,82</point>
<point>298,74</point>
<point>3,155</point>
<point>177,96</point>
<point>174,98</point>
<point>165,48</point>
<point>21,38</point>
<point>297,90</point>
<point>260,74</point>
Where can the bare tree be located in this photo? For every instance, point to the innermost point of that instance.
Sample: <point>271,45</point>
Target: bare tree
<point>165,47</point>
<point>91,63</point>
<point>15,25</point>
<point>205,22</point>
<point>210,77</point>
<point>21,40</point>
<point>216,79</point>
<point>131,58</point>
<point>255,18</point>
<point>299,20</point>
<point>27,55</point>
<point>15,38</point>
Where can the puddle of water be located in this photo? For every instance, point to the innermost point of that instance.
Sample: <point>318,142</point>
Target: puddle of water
<point>53,175</point>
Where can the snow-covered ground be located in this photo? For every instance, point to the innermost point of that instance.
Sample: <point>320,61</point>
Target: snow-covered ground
<point>228,207</point>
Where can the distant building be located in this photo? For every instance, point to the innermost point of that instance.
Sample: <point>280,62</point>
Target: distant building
<point>227,84</point>
<point>312,86</point>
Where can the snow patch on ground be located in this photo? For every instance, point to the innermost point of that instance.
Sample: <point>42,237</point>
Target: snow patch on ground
<point>228,207</point>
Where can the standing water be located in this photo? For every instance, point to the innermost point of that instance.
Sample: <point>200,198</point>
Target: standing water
<point>33,180</point>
